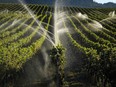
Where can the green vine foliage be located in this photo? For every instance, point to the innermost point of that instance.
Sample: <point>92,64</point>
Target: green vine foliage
<point>58,60</point>
<point>102,67</point>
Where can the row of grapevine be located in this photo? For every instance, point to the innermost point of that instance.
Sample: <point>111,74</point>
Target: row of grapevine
<point>16,47</point>
<point>94,45</point>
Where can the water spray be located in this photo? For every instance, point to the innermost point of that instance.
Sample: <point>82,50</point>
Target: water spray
<point>55,23</point>
<point>58,52</point>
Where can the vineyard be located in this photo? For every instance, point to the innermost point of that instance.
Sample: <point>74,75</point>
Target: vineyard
<point>88,34</point>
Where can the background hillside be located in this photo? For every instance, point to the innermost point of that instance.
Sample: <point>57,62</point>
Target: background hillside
<point>78,3</point>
